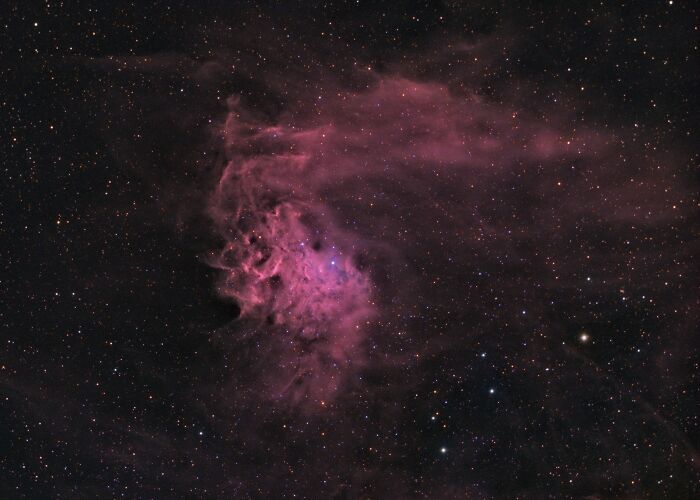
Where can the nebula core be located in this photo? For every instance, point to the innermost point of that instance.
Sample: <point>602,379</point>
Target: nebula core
<point>287,262</point>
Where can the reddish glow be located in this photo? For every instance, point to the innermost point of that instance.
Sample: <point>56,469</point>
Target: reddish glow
<point>304,196</point>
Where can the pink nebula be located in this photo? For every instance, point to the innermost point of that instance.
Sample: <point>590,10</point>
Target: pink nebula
<point>326,207</point>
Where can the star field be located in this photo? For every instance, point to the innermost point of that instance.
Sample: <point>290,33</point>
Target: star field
<point>349,250</point>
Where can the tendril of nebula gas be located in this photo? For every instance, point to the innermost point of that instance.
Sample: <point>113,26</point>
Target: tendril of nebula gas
<point>442,250</point>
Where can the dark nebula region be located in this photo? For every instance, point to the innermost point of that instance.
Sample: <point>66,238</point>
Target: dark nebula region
<point>345,251</point>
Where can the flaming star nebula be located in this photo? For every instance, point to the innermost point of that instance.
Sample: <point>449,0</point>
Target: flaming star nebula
<point>307,203</point>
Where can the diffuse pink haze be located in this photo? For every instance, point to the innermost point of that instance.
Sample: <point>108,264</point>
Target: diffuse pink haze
<point>308,201</point>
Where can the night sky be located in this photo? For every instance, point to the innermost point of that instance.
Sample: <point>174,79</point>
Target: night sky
<point>367,249</point>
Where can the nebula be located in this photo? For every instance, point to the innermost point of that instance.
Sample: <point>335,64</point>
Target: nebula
<point>336,211</point>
